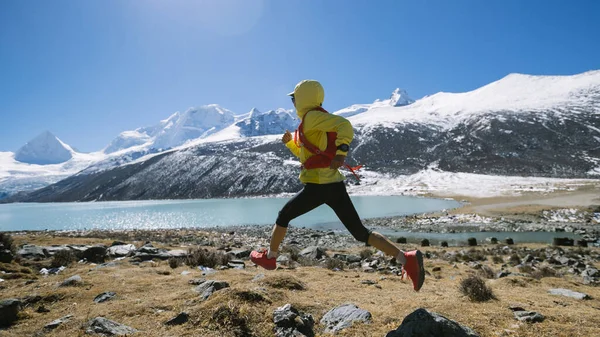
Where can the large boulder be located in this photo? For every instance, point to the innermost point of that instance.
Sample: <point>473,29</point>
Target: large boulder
<point>95,254</point>
<point>32,252</point>
<point>426,323</point>
<point>121,250</point>
<point>103,326</point>
<point>312,252</point>
<point>6,256</point>
<point>344,316</point>
<point>289,322</point>
<point>8,311</point>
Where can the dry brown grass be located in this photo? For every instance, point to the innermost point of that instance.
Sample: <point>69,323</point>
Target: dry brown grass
<point>146,299</point>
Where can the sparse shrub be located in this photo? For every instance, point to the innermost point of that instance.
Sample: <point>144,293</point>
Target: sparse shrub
<point>424,243</point>
<point>174,262</point>
<point>497,259</point>
<point>228,317</point>
<point>525,268</point>
<point>444,243</point>
<point>366,253</point>
<point>475,289</point>
<point>204,257</point>
<point>473,255</point>
<point>544,271</point>
<point>486,272</point>
<point>401,240</point>
<point>163,272</point>
<point>514,260</point>
<point>472,241</point>
<point>63,258</point>
<point>331,263</point>
<point>6,242</point>
<point>250,296</point>
<point>284,282</point>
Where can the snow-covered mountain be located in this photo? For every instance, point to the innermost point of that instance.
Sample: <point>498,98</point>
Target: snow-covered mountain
<point>398,98</point>
<point>41,162</point>
<point>268,123</point>
<point>176,130</point>
<point>44,149</point>
<point>521,125</point>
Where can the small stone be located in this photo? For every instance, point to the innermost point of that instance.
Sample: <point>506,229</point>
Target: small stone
<point>569,293</point>
<point>529,316</point>
<point>106,296</point>
<point>72,281</point>
<point>101,325</point>
<point>56,323</point>
<point>368,282</point>
<point>258,277</point>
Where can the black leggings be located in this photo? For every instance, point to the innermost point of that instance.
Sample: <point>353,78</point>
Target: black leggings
<point>335,196</point>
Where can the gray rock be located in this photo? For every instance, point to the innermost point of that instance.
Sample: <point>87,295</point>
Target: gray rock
<point>289,322</point>
<point>258,277</point>
<point>95,254</point>
<point>105,296</point>
<point>209,287</point>
<point>426,323</point>
<point>240,253</point>
<point>591,272</point>
<point>103,326</point>
<point>32,252</point>
<point>237,264</point>
<point>283,259</point>
<point>121,250</point>
<point>502,274</point>
<point>591,276</point>
<point>8,311</point>
<point>72,281</point>
<point>569,293</point>
<point>56,323</point>
<point>6,256</point>
<point>51,250</point>
<point>182,318</point>
<point>312,252</point>
<point>177,253</point>
<point>529,316</point>
<point>344,316</point>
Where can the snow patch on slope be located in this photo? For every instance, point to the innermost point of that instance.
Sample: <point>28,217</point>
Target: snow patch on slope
<point>449,184</point>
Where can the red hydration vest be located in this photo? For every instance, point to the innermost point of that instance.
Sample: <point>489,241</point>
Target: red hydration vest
<point>320,159</point>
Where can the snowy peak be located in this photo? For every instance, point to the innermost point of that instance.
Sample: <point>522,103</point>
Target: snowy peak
<point>193,123</point>
<point>267,123</point>
<point>44,149</point>
<point>400,98</point>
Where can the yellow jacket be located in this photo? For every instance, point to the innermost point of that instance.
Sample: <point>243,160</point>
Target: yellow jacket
<point>309,94</point>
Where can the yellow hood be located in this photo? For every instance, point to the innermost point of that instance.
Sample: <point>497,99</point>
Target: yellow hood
<point>308,94</point>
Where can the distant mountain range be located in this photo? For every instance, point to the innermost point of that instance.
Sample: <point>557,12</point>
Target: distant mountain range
<point>525,125</point>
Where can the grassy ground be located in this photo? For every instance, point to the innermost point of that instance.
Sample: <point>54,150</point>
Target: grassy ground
<point>150,294</point>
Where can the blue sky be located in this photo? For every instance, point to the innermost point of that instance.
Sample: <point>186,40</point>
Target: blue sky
<point>88,70</point>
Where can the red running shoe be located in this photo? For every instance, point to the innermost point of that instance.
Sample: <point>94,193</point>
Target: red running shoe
<point>260,258</point>
<point>414,268</point>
